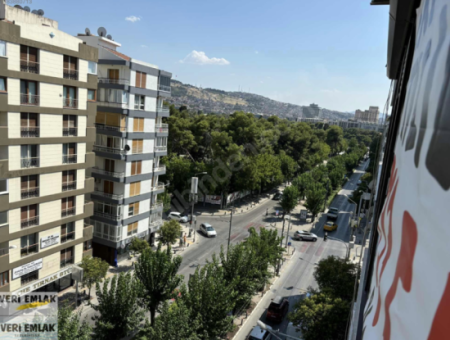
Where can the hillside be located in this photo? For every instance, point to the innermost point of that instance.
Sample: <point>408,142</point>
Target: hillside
<point>218,101</point>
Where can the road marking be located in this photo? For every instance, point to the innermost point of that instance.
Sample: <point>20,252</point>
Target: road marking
<point>320,250</point>
<point>248,226</point>
<point>311,250</point>
<point>304,247</point>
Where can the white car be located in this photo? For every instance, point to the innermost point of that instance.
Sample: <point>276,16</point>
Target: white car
<point>333,213</point>
<point>178,217</point>
<point>259,334</point>
<point>207,230</point>
<point>304,235</point>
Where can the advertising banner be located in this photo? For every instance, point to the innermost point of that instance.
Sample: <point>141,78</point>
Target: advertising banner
<point>49,241</point>
<point>26,268</point>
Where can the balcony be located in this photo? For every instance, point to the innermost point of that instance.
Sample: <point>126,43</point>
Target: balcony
<point>25,251</point>
<point>67,212</point>
<point>162,128</point>
<point>158,186</point>
<point>104,194</point>
<point>66,262</point>
<point>29,222</point>
<point>156,223</point>
<point>29,99</point>
<point>68,236</point>
<point>30,162</point>
<point>29,131</point>
<point>101,148</point>
<point>163,109</point>
<point>137,151</point>
<point>109,216</point>
<point>29,193</point>
<point>109,173</point>
<point>69,131</point>
<point>110,128</point>
<point>69,159</point>
<point>70,103</point>
<point>159,168</point>
<point>160,148</point>
<point>69,186</point>
<point>164,88</point>
<point>70,74</point>
<point>4,250</point>
<point>156,206</point>
<point>113,81</point>
<point>29,66</point>
<point>113,104</point>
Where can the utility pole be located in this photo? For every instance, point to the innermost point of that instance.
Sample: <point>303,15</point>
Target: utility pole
<point>287,234</point>
<point>229,231</point>
<point>281,244</point>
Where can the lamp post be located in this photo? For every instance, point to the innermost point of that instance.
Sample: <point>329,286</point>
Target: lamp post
<point>275,332</point>
<point>354,208</point>
<point>229,230</point>
<point>194,185</point>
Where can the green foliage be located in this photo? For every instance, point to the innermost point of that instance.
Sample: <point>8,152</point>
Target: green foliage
<point>138,245</point>
<point>303,182</point>
<point>164,198</point>
<point>94,270</point>
<point>288,165</point>
<point>71,327</point>
<point>157,273</point>
<point>170,232</point>
<point>289,199</point>
<point>335,139</point>
<point>118,311</point>
<point>315,197</point>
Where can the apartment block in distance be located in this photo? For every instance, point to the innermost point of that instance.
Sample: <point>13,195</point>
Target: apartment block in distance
<point>370,116</point>
<point>130,140</point>
<point>48,85</point>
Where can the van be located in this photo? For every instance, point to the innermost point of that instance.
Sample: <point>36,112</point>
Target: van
<point>278,308</point>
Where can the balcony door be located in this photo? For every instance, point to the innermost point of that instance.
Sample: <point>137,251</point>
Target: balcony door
<point>28,92</point>
<point>69,125</point>
<point>108,187</point>
<point>29,186</point>
<point>67,204</point>
<point>69,153</point>
<point>29,152</point>
<point>68,180</point>
<point>29,212</point>
<point>109,165</point>
<point>70,67</point>
<point>28,59</point>
<point>29,124</point>
<point>70,96</point>
<point>113,75</point>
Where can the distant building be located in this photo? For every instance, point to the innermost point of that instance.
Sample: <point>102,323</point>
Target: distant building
<point>313,110</point>
<point>345,124</point>
<point>370,115</point>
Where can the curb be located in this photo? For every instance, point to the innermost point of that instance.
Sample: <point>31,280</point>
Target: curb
<point>236,213</point>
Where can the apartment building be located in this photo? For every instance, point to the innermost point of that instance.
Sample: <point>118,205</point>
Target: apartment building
<point>130,140</point>
<point>48,85</point>
<point>370,116</point>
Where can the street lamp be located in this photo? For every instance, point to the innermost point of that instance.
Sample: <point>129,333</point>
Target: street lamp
<point>275,332</point>
<point>194,192</point>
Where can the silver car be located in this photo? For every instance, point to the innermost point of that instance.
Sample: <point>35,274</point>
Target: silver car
<point>305,235</point>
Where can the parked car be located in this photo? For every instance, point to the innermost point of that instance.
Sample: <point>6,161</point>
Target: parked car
<point>333,213</point>
<point>258,333</point>
<point>178,217</point>
<point>359,182</point>
<point>304,235</point>
<point>330,226</point>
<point>278,308</point>
<point>207,230</point>
<point>277,196</point>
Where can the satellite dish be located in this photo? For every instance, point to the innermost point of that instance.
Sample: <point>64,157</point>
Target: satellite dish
<point>101,31</point>
<point>34,11</point>
<point>18,6</point>
<point>88,31</point>
<point>109,36</point>
<point>40,12</point>
<point>127,147</point>
<point>26,8</point>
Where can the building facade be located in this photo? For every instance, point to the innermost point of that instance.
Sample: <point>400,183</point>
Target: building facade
<point>370,116</point>
<point>48,84</point>
<point>130,140</point>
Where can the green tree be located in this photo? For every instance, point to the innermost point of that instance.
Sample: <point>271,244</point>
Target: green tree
<point>138,245</point>
<point>288,165</point>
<point>118,309</point>
<point>289,199</point>
<point>353,143</point>
<point>335,139</point>
<point>303,182</point>
<point>94,270</point>
<point>170,232</point>
<point>335,177</point>
<point>164,198</point>
<point>70,325</point>
<point>157,272</point>
<point>314,198</point>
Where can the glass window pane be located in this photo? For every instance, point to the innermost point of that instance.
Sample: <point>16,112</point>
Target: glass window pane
<point>2,48</point>
<point>3,217</point>
<point>2,84</point>
<point>91,95</point>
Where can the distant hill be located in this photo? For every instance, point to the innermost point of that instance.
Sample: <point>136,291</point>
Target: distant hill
<point>218,101</point>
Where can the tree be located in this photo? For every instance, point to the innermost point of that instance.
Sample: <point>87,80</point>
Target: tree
<point>314,198</point>
<point>303,182</point>
<point>321,317</point>
<point>336,276</point>
<point>157,272</point>
<point>94,270</point>
<point>70,326</point>
<point>138,245</point>
<point>118,307</point>
<point>289,199</point>
<point>170,232</point>
<point>288,165</point>
<point>335,138</point>
<point>335,177</point>
<point>164,198</point>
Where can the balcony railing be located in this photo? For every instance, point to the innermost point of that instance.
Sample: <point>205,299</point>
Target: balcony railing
<point>113,81</point>
<point>110,128</point>
<point>69,131</point>
<point>160,148</point>
<point>109,173</point>
<point>68,236</point>
<point>112,104</point>
<point>29,66</point>
<point>159,168</point>
<point>70,74</point>
<point>29,249</point>
<point>156,223</point>
<point>162,128</point>
<point>70,103</point>
<point>163,109</point>
<point>69,159</point>
<point>66,262</point>
<point>29,99</point>
<point>137,150</point>
<point>29,193</point>
<point>158,186</point>
<point>29,222</point>
<point>29,131</point>
<point>164,88</point>
<point>29,278</point>
<point>4,251</point>
<point>108,216</point>
<point>30,162</point>
<point>68,212</point>
<point>69,186</point>
<point>156,206</point>
<point>109,150</point>
<point>105,194</point>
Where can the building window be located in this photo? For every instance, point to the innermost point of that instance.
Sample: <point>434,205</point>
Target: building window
<point>132,228</point>
<point>164,84</point>
<point>113,96</point>
<point>69,180</point>
<point>29,156</point>
<point>67,206</point>
<point>3,87</point>
<point>3,187</point>
<point>70,70</point>
<point>67,232</point>
<point>87,245</point>
<point>2,48</point>
<point>92,96</point>
<point>138,145</point>
<point>29,125</point>
<point>135,189</point>
<point>33,276</point>
<point>70,97</point>
<point>29,216</point>
<point>29,244</point>
<point>92,67</point>
<point>4,278</point>
<point>141,79</point>
<point>138,124</point>
<point>69,153</point>
<point>3,218</point>
<point>139,102</point>
<point>133,209</point>
<point>136,168</point>
<point>69,125</point>
<point>66,257</point>
<point>29,92</point>
<point>29,186</point>
<point>29,59</point>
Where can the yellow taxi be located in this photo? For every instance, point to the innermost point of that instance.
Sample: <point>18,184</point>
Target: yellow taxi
<point>330,226</point>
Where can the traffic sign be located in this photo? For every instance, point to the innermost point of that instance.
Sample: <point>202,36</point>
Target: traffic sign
<point>276,213</point>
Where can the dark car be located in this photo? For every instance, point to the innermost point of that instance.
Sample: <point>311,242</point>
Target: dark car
<point>277,196</point>
<point>278,308</point>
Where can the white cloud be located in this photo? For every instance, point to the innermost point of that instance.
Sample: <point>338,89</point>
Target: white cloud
<point>144,46</point>
<point>200,58</point>
<point>133,18</point>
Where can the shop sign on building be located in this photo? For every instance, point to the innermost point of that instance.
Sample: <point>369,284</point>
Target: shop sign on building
<point>49,241</point>
<point>26,268</point>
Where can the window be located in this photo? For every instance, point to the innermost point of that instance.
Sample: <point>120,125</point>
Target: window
<point>3,87</point>
<point>29,186</point>
<point>113,211</point>
<point>113,76</point>
<point>33,276</point>
<point>107,231</point>
<point>29,126</point>
<point>108,187</point>
<point>29,216</point>
<point>135,189</point>
<point>164,83</point>
<point>29,156</point>
<point>3,218</point>
<point>113,121</point>
<point>138,124</point>
<point>70,70</point>
<point>138,145</point>
<point>92,95</point>
<point>92,67</point>
<point>139,102</point>
<point>132,228</point>
<point>69,125</point>
<point>29,59</point>
<point>70,97</point>
<point>133,209</point>
<point>3,186</point>
<point>2,48</point>
<point>67,232</point>
<point>69,153</point>
<point>29,244</point>
<point>113,96</point>
<point>109,165</point>
<point>29,92</point>
<point>87,245</point>
<point>66,257</point>
<point>161,141</point>
<point>4,278</point>
<point>69,180</point>
<point>141,79</point>
<point>136,168</point>
<point>67,206</point>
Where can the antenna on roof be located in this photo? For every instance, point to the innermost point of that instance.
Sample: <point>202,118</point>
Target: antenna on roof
<point>109,36</point>
<point>101,31</point>
<point>26,8</point>
<point>88,31</point>
<point>40,12</point>
<point>34,11</point>
<point>18,6</point>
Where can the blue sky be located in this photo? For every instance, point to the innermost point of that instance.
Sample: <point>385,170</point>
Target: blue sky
<point>329,52</point>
